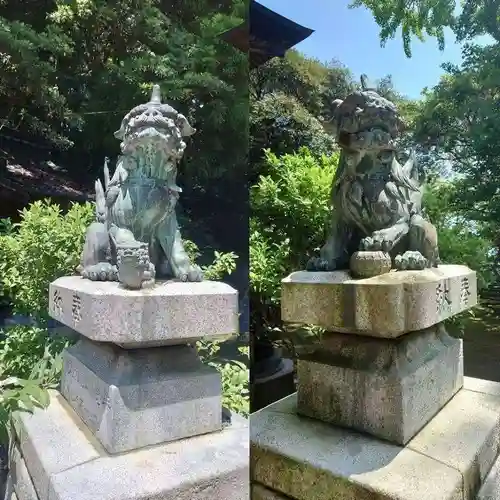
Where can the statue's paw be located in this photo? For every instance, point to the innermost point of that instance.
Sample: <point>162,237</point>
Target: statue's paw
<point>319,264</point>
<point>194,274</point>
<point>104,271</point>
<point>411,261</point>
<point>379,241</point>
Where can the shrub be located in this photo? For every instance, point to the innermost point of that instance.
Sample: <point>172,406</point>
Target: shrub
<point>235,394</point>
<point>290,208</point>
<point>282,124</point>
<point>43,246</point>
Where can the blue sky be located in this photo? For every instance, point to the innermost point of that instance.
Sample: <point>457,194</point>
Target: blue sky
<point>352,37</point>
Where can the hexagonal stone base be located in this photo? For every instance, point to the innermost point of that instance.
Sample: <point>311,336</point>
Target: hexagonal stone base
<point>451,458</point>
<point>130,398</point>
<point>387,306</point>
<point>169,313</point>
<point>389,388</point>
<point>55,457</point>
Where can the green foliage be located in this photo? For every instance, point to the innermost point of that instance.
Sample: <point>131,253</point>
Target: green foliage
<point>282,124</point>
<point>222,265</point>
<point>45,245</point>
<point>460,241</point>
<point>19,394</point>
<point>430,17</point>
<point>234,375</point>
<point>478,17</point>
<point>292,201</point>
<point>414,18</point>
<point>73,69</point>
<point>458,123</point>
<point>290,100</point>
<point>290,208</point>
<point>24,346</point>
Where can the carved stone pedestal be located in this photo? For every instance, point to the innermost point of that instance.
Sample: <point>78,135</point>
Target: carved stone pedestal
<point>137,423</point>
<point>386,306</point>
<point>389,388</point>
<point>388,417</point>
<point>139,397</point>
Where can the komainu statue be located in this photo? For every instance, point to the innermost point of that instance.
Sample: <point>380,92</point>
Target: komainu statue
<point>376,201</point>
<point>136,238</point>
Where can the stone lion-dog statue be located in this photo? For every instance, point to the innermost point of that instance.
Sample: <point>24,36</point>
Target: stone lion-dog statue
<point>136,238</point>
<point>376,201</point>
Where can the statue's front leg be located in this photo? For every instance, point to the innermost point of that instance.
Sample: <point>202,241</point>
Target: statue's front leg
<point>334,254</point>
<point>180,263</point>
<point>96,262</point>
<point>172,258</point>
<point>422,246</point>
<point>385,239</point>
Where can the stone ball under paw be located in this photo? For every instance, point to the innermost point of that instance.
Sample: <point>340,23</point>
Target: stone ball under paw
<point>364,264</point>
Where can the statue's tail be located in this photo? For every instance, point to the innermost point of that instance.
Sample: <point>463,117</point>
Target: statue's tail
<point>100,202</point>
<point>100,194</point>
<point>106,173</point>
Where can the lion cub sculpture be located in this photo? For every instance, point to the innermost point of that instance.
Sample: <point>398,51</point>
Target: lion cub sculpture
<point>376,202</point>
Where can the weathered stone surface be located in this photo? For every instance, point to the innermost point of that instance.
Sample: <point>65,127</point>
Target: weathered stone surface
<point>483,386</point>
<point>388,305</point>
<point>53,442</point>
<point>200,468</point>
<point>389,388</point>
<point>490,490</point>
<point>310,460</point>
<point>131,398</point>
<point>475,419</point>
<point>259,492</point>
<point>19,484</point>
<point>169,313</point>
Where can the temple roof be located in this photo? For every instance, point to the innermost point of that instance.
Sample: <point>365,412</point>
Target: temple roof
<point>266,34</point>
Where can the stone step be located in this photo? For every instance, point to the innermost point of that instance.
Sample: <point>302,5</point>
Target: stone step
<point>490,490</point>
<point>57,458</point>
<point>451,458</point>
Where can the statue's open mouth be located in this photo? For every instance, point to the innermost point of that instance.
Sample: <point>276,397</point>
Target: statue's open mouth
<point>139,133</point>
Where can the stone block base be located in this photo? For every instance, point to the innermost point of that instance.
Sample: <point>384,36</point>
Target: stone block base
<point>170,313</point>
<point>389,388</point>
<point>55,457</point>
<point>130,398</point>
<point>452,458</point>
<point>387,306</point>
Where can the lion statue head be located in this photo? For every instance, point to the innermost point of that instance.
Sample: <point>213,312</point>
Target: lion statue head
<point>364,114</point>
<point>153,133</point>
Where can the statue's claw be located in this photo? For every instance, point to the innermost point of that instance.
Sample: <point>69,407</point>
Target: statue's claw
<point>411,261</point>
<point>319,264</point>
<point>194,274</point>
<point>102,271</point>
